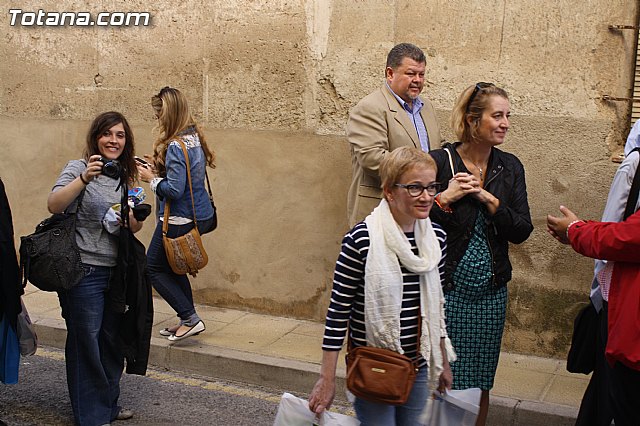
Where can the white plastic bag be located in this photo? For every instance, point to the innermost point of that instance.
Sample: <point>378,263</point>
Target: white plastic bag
<point>294,411</point>
<point>27,336</point>
<point>453,408</point>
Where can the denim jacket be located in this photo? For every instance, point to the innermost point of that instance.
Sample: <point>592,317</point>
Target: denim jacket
<point>176,186</point>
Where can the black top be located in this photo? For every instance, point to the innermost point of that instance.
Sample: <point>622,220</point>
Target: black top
<point>510,224</point>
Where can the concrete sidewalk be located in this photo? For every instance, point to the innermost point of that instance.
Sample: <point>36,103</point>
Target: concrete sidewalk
<point>285,354</point>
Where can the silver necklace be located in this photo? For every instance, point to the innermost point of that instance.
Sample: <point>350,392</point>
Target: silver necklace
<point>477,167</point>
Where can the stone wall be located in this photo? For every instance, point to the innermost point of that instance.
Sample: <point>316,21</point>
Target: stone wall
<point>272,82</point>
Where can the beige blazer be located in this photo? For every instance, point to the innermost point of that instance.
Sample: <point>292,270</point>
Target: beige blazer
<point>376,126</point>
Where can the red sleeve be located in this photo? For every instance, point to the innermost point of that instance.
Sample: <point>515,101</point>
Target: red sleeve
<point>617,241</point>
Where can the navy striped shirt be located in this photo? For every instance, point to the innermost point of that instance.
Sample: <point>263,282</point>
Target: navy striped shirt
<point>347,297</point>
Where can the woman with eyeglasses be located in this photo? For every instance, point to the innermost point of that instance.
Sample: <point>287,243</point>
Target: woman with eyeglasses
<point>168,179</point>
<point>483,207</point>
<point>387,290</point>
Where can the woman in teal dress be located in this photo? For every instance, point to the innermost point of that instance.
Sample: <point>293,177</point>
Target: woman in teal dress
<point>483,207</point>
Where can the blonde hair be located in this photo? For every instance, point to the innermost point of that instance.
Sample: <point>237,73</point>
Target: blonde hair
<point>471,104</point>
<point>174,116</point>
<point>398,161</point>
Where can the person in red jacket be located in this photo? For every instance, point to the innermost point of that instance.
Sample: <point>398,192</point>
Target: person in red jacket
<point>618,242</point>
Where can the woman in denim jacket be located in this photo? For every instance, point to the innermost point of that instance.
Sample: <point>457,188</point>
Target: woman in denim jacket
<point>168,178</point>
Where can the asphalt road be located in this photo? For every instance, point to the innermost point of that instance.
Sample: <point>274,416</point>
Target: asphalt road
<point>160,398</point>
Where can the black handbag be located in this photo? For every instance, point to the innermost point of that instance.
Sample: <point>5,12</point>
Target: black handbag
<point>582,354</point>
<point>50,258</point>
<point>214,224</point>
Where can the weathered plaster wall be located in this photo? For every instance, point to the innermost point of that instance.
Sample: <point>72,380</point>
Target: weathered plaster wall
<point>272,82</point>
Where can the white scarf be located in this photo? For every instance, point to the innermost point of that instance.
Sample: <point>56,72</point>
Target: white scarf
<point>384,285</point>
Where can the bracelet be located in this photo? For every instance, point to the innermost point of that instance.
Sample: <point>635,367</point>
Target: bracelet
<point>570,225</point>
<point>82,179</point>
<point>444,209</point>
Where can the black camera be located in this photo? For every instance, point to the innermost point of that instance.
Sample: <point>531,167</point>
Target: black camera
<point>141,211</point>
<point>111,168</point>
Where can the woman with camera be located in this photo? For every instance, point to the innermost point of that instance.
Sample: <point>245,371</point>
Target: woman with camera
<point>387,292</point>
<point>169,181</point>
<point>94,360</point>
<point>483,207</point>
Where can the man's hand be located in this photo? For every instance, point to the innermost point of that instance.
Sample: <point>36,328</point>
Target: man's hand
<point>557,226</point>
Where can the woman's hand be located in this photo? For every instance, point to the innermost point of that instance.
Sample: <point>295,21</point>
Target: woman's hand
<point>460,185</point>
<point>146,171</point>
<point>59,200</point>
<point>322,395</point>
<point>134,225</point>
<point>324,390</point>
<point>558,226</point>
<point>94,168</point>
<point>445,381</point>
<point>487,198</point>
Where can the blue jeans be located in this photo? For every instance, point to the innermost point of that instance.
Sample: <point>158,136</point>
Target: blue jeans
<point>94,359</point>
<point>173,288</point>
<point>374,414</point>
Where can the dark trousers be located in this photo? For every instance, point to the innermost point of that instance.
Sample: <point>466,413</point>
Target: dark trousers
<point>595,408</point>
<point>625,395</point>
<point>613,392</point>
<point>173,288</point>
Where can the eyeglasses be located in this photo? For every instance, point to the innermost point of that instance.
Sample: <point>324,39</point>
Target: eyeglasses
<point>416,190</point>
<point>479,86</point>
<point>162,91</point>
<point>156,100</point>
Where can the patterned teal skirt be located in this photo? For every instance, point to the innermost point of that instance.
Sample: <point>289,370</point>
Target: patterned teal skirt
<point>475,315</point>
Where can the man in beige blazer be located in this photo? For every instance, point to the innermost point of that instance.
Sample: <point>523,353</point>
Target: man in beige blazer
<point>392,116</point>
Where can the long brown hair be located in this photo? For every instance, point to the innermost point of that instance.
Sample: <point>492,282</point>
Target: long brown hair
<point>174,116</point>
<point>101,124</point>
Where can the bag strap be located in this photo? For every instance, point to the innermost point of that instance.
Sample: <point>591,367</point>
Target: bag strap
<point>450,161</point>
<point>206,175</point>
<point>633,192</point>
<point>80,197</point>
<point>167,206</point>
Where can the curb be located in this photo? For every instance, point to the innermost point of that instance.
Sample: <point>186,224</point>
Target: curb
<point>294,376</point>
<point>511,412</point>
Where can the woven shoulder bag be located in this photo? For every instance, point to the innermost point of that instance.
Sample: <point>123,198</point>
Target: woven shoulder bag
<point>186,253</point>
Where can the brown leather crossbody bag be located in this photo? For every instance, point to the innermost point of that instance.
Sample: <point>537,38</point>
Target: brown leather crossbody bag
<point>380,375</point>
<point>186,253</point>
